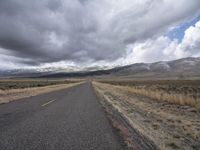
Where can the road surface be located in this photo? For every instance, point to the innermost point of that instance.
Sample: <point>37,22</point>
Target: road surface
<point>69,119</point>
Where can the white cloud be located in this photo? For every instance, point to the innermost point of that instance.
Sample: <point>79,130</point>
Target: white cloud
<point>190,46</point>
<point>162,48</point>
<point>86,31</point>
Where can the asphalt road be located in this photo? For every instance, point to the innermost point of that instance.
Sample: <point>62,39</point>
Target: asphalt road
<point>69,119</point>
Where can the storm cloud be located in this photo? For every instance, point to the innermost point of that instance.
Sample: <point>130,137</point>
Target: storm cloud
<point>33,32</point>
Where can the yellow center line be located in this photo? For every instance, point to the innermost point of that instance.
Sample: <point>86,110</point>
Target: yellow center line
<point>47,103</point>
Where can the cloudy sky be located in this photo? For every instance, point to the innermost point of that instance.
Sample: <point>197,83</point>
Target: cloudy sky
<point>89,33</point>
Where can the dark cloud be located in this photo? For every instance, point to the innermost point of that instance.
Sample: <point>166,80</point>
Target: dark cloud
<point>84,30</point>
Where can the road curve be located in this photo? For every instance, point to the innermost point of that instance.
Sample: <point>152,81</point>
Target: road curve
<point>69,119</point>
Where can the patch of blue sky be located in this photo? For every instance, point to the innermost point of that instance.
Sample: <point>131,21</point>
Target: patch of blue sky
<point>179,31</point>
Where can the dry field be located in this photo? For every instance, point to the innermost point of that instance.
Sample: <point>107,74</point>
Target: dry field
<point>165,121</point>
<point>14,89</point>
<point>184,92</point>
<point>7,84</point>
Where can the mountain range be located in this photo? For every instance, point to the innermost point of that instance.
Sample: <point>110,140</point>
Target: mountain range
<point>181,68</point>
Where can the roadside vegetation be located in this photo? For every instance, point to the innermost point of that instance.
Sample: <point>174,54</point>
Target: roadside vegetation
<point>165,112</point>
<point>7,84</point>
<point>14,89</point>
<point>184,92</point>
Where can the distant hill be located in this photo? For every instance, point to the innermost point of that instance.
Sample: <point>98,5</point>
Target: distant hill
<point>181,68</point>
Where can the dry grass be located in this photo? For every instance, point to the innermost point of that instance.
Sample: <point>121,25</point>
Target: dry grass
<point>169,126</point>
<point>169,97</point>
<point>9,95</point>
<point>178,92</point>
<point>6,84</point>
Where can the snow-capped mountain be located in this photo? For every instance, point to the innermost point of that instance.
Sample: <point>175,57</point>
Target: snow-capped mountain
<point>182,67</point>
<point>186,67</point>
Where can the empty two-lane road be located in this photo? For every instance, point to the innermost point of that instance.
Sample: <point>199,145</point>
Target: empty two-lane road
<point>69,119</point>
